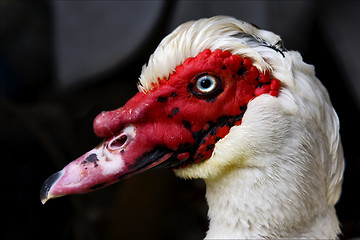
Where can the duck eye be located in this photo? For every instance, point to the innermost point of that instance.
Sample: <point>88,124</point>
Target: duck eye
<point>206,84</point>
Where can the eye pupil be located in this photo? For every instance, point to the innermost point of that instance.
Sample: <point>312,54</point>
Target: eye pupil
<point>205,83</point>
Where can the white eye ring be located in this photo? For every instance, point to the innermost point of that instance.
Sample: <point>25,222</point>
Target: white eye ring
<point>206,84</point>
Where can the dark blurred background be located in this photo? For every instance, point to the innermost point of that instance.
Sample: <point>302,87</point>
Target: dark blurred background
<point>63,62</point>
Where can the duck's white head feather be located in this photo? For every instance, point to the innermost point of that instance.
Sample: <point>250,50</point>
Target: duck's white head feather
<point>290,144</point>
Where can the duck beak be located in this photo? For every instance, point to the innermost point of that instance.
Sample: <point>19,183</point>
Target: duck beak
<point>116,158</point>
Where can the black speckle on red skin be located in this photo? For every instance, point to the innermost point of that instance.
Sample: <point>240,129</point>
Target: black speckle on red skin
<point>241,71</point>
<point>260,85</point>
<point>186,122</point>
<point>92,158</point>
<point>210,147</point>
<point>162,99</point>
<point>174,111</point>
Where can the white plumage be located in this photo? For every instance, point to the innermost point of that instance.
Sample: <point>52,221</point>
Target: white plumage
<point>278,174</point>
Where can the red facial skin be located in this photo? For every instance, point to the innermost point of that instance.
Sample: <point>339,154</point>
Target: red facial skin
<point>174,124</point>
<point>170,113</point>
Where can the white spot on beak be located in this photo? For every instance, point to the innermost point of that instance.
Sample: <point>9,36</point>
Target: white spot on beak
<point>109,155</point>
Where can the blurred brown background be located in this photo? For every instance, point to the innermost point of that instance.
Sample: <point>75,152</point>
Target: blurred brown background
<point>63,62</point>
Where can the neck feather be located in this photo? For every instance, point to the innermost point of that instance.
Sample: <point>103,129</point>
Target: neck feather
<point>251,203</point>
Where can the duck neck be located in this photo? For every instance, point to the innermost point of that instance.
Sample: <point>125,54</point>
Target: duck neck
<point>252,203</point>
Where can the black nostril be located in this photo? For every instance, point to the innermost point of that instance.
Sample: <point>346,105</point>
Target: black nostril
<point>118,142</point>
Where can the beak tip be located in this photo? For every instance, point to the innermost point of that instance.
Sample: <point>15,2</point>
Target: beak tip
<point>43,200</point>
<point>47,185</point>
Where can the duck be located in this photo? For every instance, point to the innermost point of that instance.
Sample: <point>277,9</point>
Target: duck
<point>224,101</point>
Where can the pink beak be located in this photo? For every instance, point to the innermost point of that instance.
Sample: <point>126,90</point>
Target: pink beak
<point>102,166</point>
